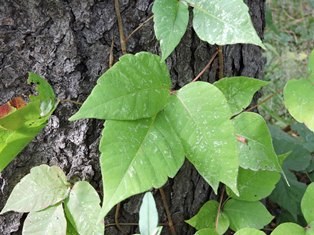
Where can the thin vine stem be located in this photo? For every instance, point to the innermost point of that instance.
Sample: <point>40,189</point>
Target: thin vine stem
<point>206,67</point>
<point>120,26</point>
<point>164,202</point>
<point>220,62</point>
<point>219,208</point>
<point>139,27</point>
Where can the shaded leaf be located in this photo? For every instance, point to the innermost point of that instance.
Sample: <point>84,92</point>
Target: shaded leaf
<point>305,136</point>
<point>288,229</point>
<point>223,22</point>
<point>206,218</point>
<point>200,115</point>
<point>136,156</point>
<point>82,209</point>
<point>44,186</point>
<point>171,19</point>
<point>307,206</point>
<point>138,86</point>
<point>258,153</point>
<point>50,221</point>
<point>239,91</point>
<point>243,214</point>
<point>249,231</point>
<point>148,215</point>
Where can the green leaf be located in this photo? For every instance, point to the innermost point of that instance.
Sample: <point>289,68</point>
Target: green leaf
<point>257,152</point>
<point>310,229</point>
<point>171,18</point>
<point>243,214</point>
<point>82,208</point>
<point>19,127</point>
<point>288,229</point>
<point>136,156</point>
<point>307,206</point>
<point>310,65</point>
<point>206,231</point>
<point>255,185</point>
<point>239,91</point>
<point>305,136</point>
<point>299,100</point>
<point>138,86</point>
<point>223,22</point>
<point>148,215</point>
<point>206,218</point>
<point>249,231</point>
<point>43,187</point>
<point>50,221</point>
<point>200,115</point>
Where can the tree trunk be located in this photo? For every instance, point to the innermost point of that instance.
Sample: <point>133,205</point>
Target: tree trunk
<point>68,42</point>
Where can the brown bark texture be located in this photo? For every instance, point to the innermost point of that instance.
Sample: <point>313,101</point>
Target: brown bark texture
<point>68,42</point>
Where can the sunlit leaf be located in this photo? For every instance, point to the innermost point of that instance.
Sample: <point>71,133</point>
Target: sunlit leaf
<point>148,215</point>
<point>206,231</point>
<point>223,22</point>
<point>138,86</point>
<point>249,231</point>
<point>307,205</point>
<point>288,229</point>
<point>82,209</point>
<point>137,156</point>
<point>50,221</point>
<point>243,214</point>
<point>239,91</point>
<point>200,115</point>
<point>171,19</point>
<point>44,186</point>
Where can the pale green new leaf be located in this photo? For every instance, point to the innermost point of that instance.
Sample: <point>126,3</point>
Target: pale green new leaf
<point>307,205</point>
<point>239,91</point>
<point>257,152</point>
<point>148,215</point>
<point>50,221</point>
<point>243,214</point>
<point>137,156</point>
<point>288,229</point>
<point>138,86</point>
<point>249,231</point>
<point>299,100</point>
<point>170,21</point>
<point>82,208</point>
<point>200,115</point>
<point>255,185</point>
<point>44,186</point>
<point>223,22</point>
<point>206,217</point>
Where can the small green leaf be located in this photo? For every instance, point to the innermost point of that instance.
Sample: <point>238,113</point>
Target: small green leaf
<point>148,215</point>
<point>239,91</point>
<point>138,86</point>
<point>243,214</point>
<point>206,231</point>
<point>50,221</point>
<point>200,115</point>
<point>255,185</point>
<point>82,208</point>
<point>288,229</point>
<point>136,156</point>
<point>257,152</point>
<point>310,229</point>
<point>299,100</point>
<point>207,216</point>
<point>171,19</point>
<point>307,206</point>
<point>223,22</point>
<point>43,187</point>
<point>249,231</point>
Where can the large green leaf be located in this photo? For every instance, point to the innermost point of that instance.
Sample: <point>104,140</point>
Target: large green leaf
<point>44,186</point>
<point>288,229</point>
<point>206,231</point>
<point>256,152</point>
<point>138,86</point>
<point>206,217</point>
<point>148,215</point>
<point>200,115</point>
<point>50,221</point>
<point>307,206</point>
<point>239,91</point>
<point>223,22</point>
<point>249,231</point>
<point>21,125</point>
<point>243,214</point>
<point>299,100</point>
<point>136,156</point>
<point>255,185</point>
<point>171,19</point>
<point>82,209</point>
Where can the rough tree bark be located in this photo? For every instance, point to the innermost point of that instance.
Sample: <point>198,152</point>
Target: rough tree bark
<point>68,42</point>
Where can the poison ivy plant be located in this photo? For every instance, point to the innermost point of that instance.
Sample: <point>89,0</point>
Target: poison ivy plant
<point>20,122</point>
